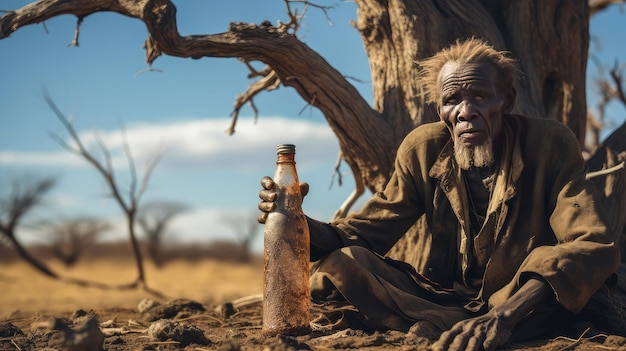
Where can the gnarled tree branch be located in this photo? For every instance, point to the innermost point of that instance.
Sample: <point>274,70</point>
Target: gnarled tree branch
<point>294,63</point>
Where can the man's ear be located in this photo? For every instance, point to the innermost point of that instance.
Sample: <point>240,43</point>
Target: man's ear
<point>438,107</point>
<point>509,101</point>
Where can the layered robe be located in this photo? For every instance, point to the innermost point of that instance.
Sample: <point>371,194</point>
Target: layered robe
<point>542,218</point>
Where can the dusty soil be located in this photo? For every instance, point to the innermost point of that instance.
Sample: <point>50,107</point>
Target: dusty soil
<point>201,309</point>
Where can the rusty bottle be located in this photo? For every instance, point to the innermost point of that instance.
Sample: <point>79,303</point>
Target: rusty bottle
<point>286,295</point>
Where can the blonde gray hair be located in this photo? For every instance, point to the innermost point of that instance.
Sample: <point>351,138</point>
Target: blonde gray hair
<point>472,50</point>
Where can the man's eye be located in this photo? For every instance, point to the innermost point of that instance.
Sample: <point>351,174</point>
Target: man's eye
<point>450,101</point>
<point>479,98</point>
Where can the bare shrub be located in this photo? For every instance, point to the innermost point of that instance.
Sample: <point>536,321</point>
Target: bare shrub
<point>153,219</point>
<point>25,194</point>
<point>245,228</point>
<point>70,239</point>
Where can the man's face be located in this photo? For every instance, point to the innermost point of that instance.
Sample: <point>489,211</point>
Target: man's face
<point>472,107</point>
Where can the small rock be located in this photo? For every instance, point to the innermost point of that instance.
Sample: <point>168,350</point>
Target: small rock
<point>164,330</point>
<point>8,330</point>
<point>179,307</point>
<point>226,310</point>
<point>80,334</point>
<point>146,304</point>
<point>615,341</point>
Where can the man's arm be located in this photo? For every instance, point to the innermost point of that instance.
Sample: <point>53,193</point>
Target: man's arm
<point>324,239</point>
<point>495,328</point>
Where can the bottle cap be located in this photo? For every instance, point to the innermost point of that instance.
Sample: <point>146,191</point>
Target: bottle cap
<point>285,149</point>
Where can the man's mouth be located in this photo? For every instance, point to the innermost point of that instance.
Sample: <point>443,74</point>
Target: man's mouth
<point>471,134</point>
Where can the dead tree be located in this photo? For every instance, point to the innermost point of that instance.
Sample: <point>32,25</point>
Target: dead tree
<point>22,199</point>
<point>153,219</point>
<point>70,238</point>
<point>14,207</point>
<point>128,203</point>
<point>246,229</point>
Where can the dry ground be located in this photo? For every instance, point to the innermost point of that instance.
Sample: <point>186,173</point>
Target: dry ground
<point>39,313</point>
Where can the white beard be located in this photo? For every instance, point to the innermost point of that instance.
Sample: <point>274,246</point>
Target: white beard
<point>473,156</point>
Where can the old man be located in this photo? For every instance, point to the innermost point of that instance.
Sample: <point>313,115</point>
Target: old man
<point>515,232</point>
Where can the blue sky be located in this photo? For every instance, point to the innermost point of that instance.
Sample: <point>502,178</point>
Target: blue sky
<point>183,110</point>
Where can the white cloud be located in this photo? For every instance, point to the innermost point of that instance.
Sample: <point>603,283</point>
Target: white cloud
<point>39,158</point>
<point>194,143</point>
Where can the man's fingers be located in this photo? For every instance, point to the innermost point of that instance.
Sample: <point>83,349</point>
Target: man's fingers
<point>475,343</point>
<point>267,182</point>
<point>304,189</point>
<point>459,343</point>
<point>267,195</point>
<point>444,341</point>
<point>266,206</point>
<point>495,338</point>
<point>262,218</point>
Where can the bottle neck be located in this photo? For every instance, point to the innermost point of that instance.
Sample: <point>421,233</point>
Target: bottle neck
<point>286,158</point>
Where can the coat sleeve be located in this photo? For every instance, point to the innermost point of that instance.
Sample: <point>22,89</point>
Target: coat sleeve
<point>384,218</point>
<point>584,255</point>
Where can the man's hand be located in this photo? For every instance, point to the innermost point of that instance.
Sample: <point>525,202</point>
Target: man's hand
<point>495,328</point>
<point>268,197</point>
<point>485,332</point>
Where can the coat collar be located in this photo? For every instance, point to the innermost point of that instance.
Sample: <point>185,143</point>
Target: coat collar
<point>509,169</point>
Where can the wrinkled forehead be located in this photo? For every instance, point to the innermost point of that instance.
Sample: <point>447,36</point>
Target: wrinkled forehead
<point>456,76</point>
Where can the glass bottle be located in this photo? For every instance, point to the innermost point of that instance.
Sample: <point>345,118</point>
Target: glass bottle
<point>286,295</point>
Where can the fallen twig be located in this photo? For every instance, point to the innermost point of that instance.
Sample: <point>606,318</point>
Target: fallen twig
<point>605,171</point>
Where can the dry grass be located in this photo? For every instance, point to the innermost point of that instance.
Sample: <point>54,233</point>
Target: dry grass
<point>206,281</point>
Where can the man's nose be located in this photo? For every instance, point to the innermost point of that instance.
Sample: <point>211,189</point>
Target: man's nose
<point>467,112</point>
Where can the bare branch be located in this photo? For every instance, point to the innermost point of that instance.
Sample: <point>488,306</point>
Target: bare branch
<point>311,103</point>
<point>294,19</point>
<point>66,123</point>
<point>63,143</point>
<point>108,171</point>
<point>23,198</point>
<point>148,173</point>
<point>358,80</point>
<point>321,7</point>
<point>254,73</point>
<point>359,189</point>
<point>74,42</point>
<point>133,170</point>
<point>268,83</point>
<point>149,69</point>
<point>616,75</point>
<point>596,6</point>
<point>337,172</point>
<point>605,171</point>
